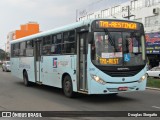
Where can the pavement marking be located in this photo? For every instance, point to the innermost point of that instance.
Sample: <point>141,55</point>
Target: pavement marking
<point>156,107</point>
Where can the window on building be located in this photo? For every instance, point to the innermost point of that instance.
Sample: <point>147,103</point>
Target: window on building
<point>152,21</point>
<point>136,4</point>
<point>90,16</point>
<point>116,9</point>
<point>148,3</point>
<point>105,13</point>
<point>83,18</point>
<point>138,20</point>
<point>68,45</point>
<point>155,2</point>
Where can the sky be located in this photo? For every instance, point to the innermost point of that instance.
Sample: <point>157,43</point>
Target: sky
<point>48,13</point>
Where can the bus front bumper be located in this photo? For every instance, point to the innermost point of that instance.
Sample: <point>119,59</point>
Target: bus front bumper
<point>96,88</point>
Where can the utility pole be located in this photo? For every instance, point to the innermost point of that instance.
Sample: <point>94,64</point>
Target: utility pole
<point>128,13</point>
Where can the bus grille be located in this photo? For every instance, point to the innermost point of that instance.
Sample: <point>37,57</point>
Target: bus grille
<point>120,73</point>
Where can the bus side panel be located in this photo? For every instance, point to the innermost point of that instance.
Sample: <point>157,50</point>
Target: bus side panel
<point>27,63</point>
<point>55,66</point>
<point>67,64</point>
<point>15,67</point>
<point>49,75</point>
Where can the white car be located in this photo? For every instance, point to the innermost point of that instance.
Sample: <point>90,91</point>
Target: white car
<point>6,66</point>
<point>154,72</point>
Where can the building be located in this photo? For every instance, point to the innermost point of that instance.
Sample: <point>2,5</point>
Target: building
<point>25,30</point>
<point>145,11</point>
<point>9,38</point>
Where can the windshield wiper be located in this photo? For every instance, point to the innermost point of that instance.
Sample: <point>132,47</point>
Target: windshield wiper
<point>112,42</point>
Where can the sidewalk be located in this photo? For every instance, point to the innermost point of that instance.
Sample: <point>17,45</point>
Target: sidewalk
<point>151,88</point>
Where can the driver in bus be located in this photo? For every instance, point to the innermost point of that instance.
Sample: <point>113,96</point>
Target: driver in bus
<point>99,45</point>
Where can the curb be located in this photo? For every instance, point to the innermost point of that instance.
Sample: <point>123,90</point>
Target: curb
<point>151,88</point>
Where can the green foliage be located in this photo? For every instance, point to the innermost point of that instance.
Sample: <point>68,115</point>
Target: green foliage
<point>2,54</point>
<point>153,82</point>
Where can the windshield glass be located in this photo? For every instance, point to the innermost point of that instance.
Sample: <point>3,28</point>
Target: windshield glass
<point>118,48</point>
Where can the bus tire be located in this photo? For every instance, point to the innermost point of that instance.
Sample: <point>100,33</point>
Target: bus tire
<point>114,94</point>
<point>25,79</point>
<point>67,86</point>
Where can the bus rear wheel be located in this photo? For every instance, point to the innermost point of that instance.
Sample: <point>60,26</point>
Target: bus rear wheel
<point>67,86</point>
<point>25,79</point>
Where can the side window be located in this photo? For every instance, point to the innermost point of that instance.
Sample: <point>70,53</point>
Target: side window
<point>46,45</point>
<point>29,48</point>
<point>16,50</point>
<point>53,47</point>
<point>22,49</point>
<point>29,44</point>
<point>69,42</point>
<point>12,50</point>
<point>57,44</point>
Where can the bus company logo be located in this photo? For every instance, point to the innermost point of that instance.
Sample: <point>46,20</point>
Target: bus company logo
<point>54,62</point>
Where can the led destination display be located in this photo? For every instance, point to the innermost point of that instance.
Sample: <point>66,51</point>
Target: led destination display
<point>118,24</point>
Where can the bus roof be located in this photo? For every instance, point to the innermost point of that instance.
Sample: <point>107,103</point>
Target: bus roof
<point>60,29</point>
<point>53,31</point>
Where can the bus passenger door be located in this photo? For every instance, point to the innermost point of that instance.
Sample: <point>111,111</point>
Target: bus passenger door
<point>82,62</point>
<point>38,69</point>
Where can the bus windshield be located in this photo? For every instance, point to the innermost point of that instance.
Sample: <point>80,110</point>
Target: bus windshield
<point>122,48</point>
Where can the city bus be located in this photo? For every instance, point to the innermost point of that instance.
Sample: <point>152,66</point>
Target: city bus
<point>99,56</point>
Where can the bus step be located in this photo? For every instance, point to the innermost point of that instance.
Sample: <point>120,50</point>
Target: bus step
<point>84,92</point>
<point>38,82</point>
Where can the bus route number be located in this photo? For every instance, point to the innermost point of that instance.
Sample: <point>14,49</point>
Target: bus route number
<point>109,61</point>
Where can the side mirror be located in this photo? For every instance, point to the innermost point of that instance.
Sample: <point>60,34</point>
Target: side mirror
<point>90,37</point>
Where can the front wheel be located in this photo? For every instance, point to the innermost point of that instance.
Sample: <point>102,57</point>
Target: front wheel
<point>68,87</point>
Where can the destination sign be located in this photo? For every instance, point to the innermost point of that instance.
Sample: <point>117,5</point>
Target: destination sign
<point>118,24</point>
<point>109,61</point>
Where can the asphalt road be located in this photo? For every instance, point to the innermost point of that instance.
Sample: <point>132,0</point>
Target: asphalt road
<point>14,96</point>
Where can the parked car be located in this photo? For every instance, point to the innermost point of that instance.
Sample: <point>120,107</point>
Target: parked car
<point>1,62</point>
<point>154,72</point>
<point>6,66</point>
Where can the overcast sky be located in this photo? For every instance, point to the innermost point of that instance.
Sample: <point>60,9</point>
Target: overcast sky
<point>48,13</point>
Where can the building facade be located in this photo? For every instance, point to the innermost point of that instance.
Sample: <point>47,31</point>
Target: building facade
<point>9,38</point>
<point>25,30</point>
<point>145,11</point>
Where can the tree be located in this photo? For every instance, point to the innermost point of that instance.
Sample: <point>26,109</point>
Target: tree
<point>3,55</point>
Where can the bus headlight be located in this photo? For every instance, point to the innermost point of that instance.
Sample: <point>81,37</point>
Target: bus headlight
<point>142,78</point>
<point>98,79</point>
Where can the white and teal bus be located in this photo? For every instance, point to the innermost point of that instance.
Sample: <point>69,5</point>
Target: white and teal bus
<point>100,56</point>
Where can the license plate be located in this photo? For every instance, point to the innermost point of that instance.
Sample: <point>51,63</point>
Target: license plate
<point>123,88</point>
